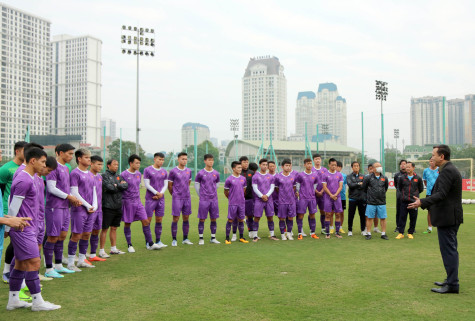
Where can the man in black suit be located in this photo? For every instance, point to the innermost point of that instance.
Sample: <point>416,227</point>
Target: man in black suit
<point>445,205</point>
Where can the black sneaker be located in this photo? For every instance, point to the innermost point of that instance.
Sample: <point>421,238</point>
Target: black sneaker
<point>368,236</point>
<point>396,230</point>
<point>384,237</point>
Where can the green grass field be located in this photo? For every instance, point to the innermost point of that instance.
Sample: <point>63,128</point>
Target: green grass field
<point>336,279</point>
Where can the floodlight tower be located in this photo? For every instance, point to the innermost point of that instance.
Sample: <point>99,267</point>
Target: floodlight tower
<point>381,93</point>
<point>234,127</point>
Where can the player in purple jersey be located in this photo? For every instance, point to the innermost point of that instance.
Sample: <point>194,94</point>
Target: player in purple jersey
<point>24,203</point>
<point>307,183</point>
<point>263,187</point>
<point>96,167</point>
<point>58,200</point>
<point>275,196</point>
<point>206,186</point>
<point>321,171</point>
<point>132,208</point>
<point>285,185</point>
<point>156,182</point>
<point>82,217</point>
<point>234,190</point>
<point>179,180</point>
<point>332,185</point>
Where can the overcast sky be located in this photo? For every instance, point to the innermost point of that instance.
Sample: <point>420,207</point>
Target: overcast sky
<point>419,47</point>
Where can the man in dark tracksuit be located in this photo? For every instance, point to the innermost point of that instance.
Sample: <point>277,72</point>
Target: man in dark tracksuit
<point>357,198</point>
<point>248,195</point>
<point>445,205</point>
<point>409,186</point>
<point>402,171</point>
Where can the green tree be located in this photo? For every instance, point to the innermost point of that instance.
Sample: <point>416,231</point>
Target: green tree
<point>128,148</point>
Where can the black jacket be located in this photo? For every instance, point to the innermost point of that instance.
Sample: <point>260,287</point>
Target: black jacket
<point>112,190</point>
<point>355,187</point>
<point>396,181</point>
<point>248,175</point>
<point>445,202</point>
<point>375,189</point>
<point>409,188</point>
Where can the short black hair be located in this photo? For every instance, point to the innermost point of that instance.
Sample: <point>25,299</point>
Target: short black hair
<point>443,150</point>
<point>63,148</point>
<point>271,162</point>
<point>353,163</point>
<point>243,159</point>
<point>181,154</point>
<point>158,155</point>
<point>412,164</point>
<point>235,163</point>
<point>316,155</point>
<point>34,153</point>
<point>307,160</point>
<point>370,165</point>
<point>109,162</point>
<point>96,158</point>
<point>253,167</point>
<point>51,162</point>
<point>263,160</point>
<point>31,145</point>
<point>19,145</point>
<point>133,157</point>
<point>208,156</point>
<point>401,161</point>
<point>339,164</point>
<point>331,160</point>
<point>286,161</point>
<point>80,153</point>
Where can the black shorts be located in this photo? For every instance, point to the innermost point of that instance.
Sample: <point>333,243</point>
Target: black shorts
<point>111,217</point>
<point>343,204</point>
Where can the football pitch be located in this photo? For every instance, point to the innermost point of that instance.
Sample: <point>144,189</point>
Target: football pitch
<point>335,279</point>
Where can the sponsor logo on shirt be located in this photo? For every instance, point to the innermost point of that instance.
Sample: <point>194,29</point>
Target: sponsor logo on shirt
<point>415,180</point>
<point>382,179</point>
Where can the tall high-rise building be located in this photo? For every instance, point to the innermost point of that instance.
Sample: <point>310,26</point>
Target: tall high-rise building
<point>469,119</point>
<point>188,134</point>
<point>455,122</point>
<point>76,90</point>
<point>331,113</point>
<point>26,76</point>
<point>111,128</point>
<point>306,113</point>
<point>264,99</point>
<point>427,120</point>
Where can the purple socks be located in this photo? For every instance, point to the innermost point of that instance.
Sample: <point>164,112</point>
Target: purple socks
<point>174,229</point>
<point>249,223</point>
<point>58,252</point>
<point>337,227</point>
<point>94,242</point>
<point>228,229</point>
<point>255,227</point>
<point>300,225</point>
<point>327,227</point>
<point>290,225</point>
<point>32,281</point>
<point>128,235</point>
<point>83,245</point>
<point>241,229</point>
<point>16,279</point>
<point>322,220</point>
<point>213,226</point>
<point>186,229</point>
<point>313,224</point>
<point>72,247</point>
<point>48,250</point>
<point>201,227</point>
<point>148,234</point>
<point>235,224</point>
<point>158,231</point>
<point>282,226</point>
<point>270,225</point>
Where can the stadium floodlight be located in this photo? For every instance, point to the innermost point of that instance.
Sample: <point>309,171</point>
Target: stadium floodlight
<point>381,94</point>
<point>234,127</point>
<point>396,136</point>
<point>132,40</point>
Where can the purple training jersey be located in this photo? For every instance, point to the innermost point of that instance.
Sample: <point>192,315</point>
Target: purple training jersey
<point>333,181</point>
<point>157,179</point>
<point>320,173</point>
<point>286,187</point>
<point>18,170</point>
<point>263,182</point>
<point>61,176</point>
<point>40,185</point>
<point>98,184</point>
<point>84,181</point>
<point>181,182</point>
<point>25,186</point>
<point>236,186</point>
<point>208,182</point>
<point>133,180</point>
<point>308,183</point>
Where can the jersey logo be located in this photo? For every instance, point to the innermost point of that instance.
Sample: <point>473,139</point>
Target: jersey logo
<point>415,180</point>
<point>118,178</point>
<point>163,174</point>
<point>382,179</point>
<point>361,177</point>
<point>249,175</point>
<point>138,176</point>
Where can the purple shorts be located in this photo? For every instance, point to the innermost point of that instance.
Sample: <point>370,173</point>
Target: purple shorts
<point>181,206</point>
<point>236,212</point>
<point>97,224</point>
<point>57,220</point>
<point>333,206</point>
<point>25,245</point>
<point>260,206</point>
<point>276,208</point>
<point>321,202</point>
<point>211,207</point>
<point>249,208</point>
<point>303,205</point>
<point>81,220</point>
<point>155,206</point>
<point>41,232</point>
<point>287,210</point>
<point>133,211</point>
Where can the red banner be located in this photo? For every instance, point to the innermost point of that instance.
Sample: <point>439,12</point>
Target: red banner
<point>466,184</point>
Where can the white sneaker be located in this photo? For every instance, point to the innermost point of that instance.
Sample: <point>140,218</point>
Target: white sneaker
<point>284,238</point>
<point>214,241</point>
<point>303,234</point>
<point>45,306</point>
<point>201,242</point>
<point>174,243</point>
<point>153,247</point>
<point>376,230</point>
<point>251,235</point>
<point>324,231</point>
<point>350,233</point>
<point>131,249</point>
<point>234,238</point>
<point>292,233</point>
<point>104,255</point>
<point>85,265</point>
<point>65,260</point>
<point>364,232</point>
<point>187,241</point>
<point>117,251</point>
<point>161,245</point>
<point>74,268</point>
<point>17,305</point>
<point>289,236</point>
